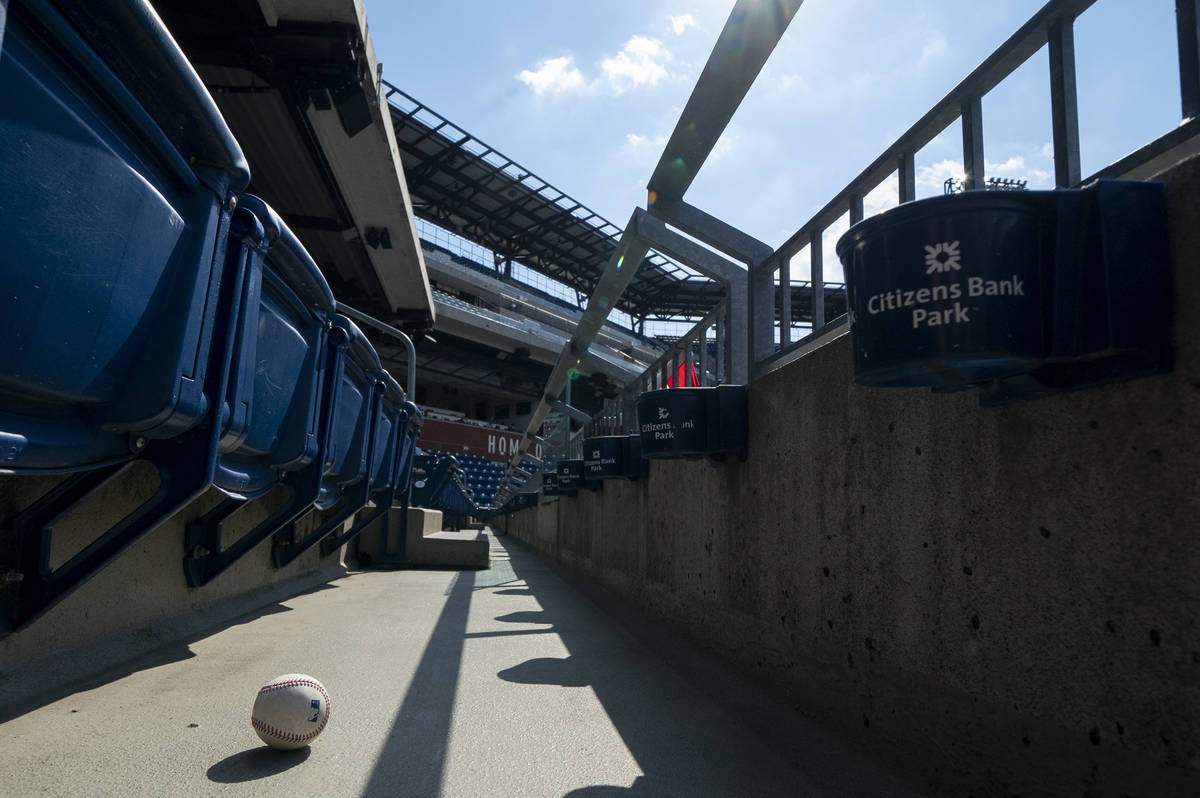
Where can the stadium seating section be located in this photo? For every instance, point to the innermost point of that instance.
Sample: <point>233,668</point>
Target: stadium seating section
<point>153,312</point>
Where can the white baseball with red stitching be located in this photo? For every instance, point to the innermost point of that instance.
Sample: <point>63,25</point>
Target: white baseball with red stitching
<point>290,711</point>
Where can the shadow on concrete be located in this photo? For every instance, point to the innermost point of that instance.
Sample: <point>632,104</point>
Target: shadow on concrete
<point>525,616</point>
<point>256,763</point>
<point>683,745</point>
<point>413,760</point>
<point>39,684</point>
<point>693,726</point>
<point>515,591</point>
<point>642,787</point>
<point>546,670</point>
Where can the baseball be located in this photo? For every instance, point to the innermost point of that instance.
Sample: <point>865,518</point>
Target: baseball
<point>290,711</point>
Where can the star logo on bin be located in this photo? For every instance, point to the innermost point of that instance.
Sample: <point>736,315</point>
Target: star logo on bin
<point>942,257</point>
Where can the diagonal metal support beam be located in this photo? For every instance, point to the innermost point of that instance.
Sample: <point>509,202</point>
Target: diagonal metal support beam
<point>573,412</point>
<point>618,273</point>
<point>736,280</point>
<point>674,245</point>
<point>750,34</point>
<point>718,234</point>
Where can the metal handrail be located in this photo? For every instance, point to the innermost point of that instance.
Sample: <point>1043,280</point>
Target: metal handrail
<point>387,329</point>
<point>613,417</point>
<point>1051,27</point>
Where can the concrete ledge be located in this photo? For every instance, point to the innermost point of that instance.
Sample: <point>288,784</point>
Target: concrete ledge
<point>144,587</point>
<point>466,549</point>
<point>426,544</point>
<point>423,521</point>
<point>33,682</point>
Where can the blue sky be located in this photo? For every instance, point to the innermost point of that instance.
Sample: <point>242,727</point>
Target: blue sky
<point>585,94</point>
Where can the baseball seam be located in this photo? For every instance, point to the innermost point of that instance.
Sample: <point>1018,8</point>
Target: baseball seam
<point>290,737</point>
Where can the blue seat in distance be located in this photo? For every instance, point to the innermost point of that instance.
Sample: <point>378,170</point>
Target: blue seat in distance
<point>117,181</point>
<point>396,434</point>
<point>349,403</point>
<point>437,473</point>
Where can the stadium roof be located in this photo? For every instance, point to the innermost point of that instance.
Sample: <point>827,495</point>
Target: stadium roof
<point>463,185</point>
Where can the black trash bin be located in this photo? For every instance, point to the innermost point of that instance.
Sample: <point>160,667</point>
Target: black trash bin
<point>570,474</point>
<point>1030,292</point>
<point>550,486</point>
<point>613,457</point>
<point>690,423</point>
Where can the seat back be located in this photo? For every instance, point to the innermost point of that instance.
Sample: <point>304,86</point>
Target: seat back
<point>351,415</point>
<point>273,402</point>
<point>391,421</point>
<point>115,217</point>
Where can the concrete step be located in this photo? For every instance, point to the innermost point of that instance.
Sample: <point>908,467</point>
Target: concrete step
<point>426,544</point>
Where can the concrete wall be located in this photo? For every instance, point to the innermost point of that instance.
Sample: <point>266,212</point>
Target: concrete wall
<point>141,600</point>
<point>1005,599</point>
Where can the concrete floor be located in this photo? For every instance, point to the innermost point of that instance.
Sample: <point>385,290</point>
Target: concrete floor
<point>509,681</point>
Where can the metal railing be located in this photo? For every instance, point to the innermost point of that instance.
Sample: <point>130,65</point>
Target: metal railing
<point>763,294</point>
<point>703,351</point>
<point>1051,27</point>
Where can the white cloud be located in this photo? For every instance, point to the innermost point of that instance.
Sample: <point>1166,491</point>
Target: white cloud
<point>935,47</point>
<point>639,63</point>
<point>723,147</point>
<point>1014,166</point>
<point>637,141</point>
<point>555,75</point>
<point>883,196</point>
<point>682,23</point>
<point>933,178</point>
<point>791,82</point>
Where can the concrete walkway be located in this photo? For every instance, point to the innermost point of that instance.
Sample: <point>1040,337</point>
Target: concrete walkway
<point>504,682</point>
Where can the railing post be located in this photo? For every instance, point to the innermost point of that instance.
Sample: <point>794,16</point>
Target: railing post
<point>972,136</point>
<point>906,169</point>
<point>817,270</point>
<point>751,321</point>
<point>1064,107</point>
<point>723,347</point>
<point>785,301</point>
<point>704,362</point>
<point>1186,21</point>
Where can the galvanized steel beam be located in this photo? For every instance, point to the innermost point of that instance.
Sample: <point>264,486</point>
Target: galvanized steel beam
<point>750,34</point>
<point>1064,104</point>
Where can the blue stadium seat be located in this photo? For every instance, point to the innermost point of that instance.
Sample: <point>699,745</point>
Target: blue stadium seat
<point>117,181</point>
<point>395,429</point>
<point>391,466</point>
<point>360,390</point>
<point>113,242</point>
<point>273,402</point>
<point>352,390</point>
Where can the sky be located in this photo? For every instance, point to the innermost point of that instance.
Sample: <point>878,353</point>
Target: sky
<point>585,94</point>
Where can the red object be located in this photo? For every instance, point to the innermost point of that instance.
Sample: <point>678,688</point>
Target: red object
<point>686,377</point>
